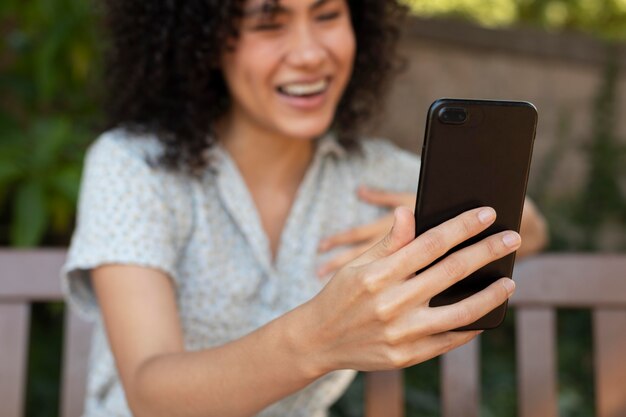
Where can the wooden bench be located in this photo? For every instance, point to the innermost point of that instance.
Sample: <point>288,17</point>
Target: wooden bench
<point>596,282</point>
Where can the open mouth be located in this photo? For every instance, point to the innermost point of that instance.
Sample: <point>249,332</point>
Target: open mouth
<point>304,89</point>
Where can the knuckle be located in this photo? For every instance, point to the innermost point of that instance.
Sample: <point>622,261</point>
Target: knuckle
<point>493,248</point>
<point>467,225</point>
<point>359,234</point>
<point>397,358</point>
<point>385,243</point>
<point>351,234</point>
<point>448,343</point>
<point>502,294</point>
<point>454,267</point>
<point>433,243</point>
<point>383,312</point>
<point>428,327</point>
<point>463,315</point>
<point>392,336</point>
<point>370,281</point>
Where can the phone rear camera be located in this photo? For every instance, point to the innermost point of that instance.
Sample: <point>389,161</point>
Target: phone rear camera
<point>453,115</point>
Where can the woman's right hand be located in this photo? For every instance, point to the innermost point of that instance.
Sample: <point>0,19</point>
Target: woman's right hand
<point>374,313</point>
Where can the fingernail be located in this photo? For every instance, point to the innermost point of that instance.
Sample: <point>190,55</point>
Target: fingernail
<point>511,239</point>
<point>509,285</point>
<point>321,271</point>
<point>486,215</point>
<point>322,246</point>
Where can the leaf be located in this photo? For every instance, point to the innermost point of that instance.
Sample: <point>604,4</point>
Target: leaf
<point>8,172</point>
<point>50,134</point>
<point>80,59</point>
<point>61,213</point>
<point>66,182</point>
<point>29,215</point>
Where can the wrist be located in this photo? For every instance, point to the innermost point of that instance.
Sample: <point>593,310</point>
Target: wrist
<point>304,343</point>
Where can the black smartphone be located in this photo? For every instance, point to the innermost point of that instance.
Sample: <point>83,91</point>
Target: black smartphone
<point>475,153</point>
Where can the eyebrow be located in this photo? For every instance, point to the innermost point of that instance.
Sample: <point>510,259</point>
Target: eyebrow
<point>278,8</point>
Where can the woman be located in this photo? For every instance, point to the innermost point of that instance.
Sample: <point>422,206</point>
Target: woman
<point>232,155</point>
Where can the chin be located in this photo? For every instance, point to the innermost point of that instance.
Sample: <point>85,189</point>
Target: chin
<point>306,129</point>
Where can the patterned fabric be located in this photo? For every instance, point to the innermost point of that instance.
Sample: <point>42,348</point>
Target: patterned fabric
<point>206,234</point>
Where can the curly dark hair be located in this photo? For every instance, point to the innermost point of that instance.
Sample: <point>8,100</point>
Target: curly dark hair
<point>162,70</point>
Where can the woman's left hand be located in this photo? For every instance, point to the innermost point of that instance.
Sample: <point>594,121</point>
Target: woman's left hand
<point>361,238</point>
<point>533,229</point>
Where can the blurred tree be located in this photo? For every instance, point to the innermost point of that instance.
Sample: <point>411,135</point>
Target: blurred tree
<point>604,18</point>
<point>49,57</point>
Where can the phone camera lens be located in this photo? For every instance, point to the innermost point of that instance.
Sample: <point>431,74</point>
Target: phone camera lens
<point>453,115</point>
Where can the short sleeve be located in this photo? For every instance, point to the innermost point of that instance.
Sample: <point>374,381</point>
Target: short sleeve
<point>389,167</point>
<point>122,218</point>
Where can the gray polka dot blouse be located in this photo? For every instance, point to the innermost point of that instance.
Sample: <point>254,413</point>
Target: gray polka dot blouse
<point>206,234</point>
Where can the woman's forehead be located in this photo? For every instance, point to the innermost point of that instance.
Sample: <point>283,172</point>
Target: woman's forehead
<point>287,4</point>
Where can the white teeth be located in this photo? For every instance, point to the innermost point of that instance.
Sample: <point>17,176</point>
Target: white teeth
<point>304,89</point>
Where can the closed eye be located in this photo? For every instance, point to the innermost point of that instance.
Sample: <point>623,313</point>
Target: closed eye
<point>328,16</point>
<point>268,26</point>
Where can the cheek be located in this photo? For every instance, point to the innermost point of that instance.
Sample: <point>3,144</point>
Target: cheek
<point>342,45</point>
<point>247,68</point>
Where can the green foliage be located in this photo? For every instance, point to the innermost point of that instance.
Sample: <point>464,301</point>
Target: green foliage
<point>576,390</point>
<point>43,391</point>
<point>604,18</point>
<point>595,218</point>
<point>41,171</point>
<point>48,60</point>
<point>602,200</point>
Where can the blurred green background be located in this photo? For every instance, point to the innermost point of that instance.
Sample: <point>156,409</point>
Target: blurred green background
<point>50,67</point>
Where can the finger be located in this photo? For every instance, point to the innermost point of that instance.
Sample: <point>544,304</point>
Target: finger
<point>461,264</point>
<point>342,259</point>
<point>402,232</point>
<point>454,268</point>
<point>357,234</point>
<point>422,322</point>
<point>383,198</point>
<point>424,348</point>
<point>436,242</point>
<point>439,344</point>
<point>472,308</point>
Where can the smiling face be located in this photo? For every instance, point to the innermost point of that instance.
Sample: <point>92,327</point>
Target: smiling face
<point>289,66</point>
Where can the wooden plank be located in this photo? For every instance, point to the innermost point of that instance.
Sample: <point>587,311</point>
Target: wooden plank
<point>76,347</point>
<point>14,321</point>
<point>610,362</point>
<point>31,274</point>
<point>536,365</point>
<point>564,280</point>
<point>384,394</point>
<point>460,382</point>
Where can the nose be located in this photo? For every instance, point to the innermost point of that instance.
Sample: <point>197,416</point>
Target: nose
<point>306,50</point>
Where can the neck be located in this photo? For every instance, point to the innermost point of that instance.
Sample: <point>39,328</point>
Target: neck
<point>265,159</point>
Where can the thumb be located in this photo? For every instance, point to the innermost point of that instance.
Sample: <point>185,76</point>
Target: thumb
<point>402,232</point>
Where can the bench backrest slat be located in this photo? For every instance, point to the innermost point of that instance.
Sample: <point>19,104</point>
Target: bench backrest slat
<point>536,365</point>
<point>460,381</point>
<point>76,345</point>
<point>14,323</point>
<point>384,394</point>
<point>610,362</point>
